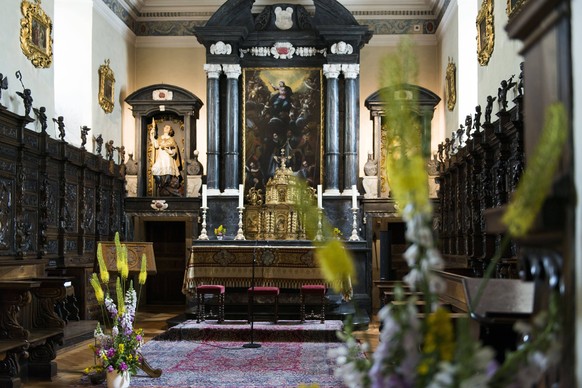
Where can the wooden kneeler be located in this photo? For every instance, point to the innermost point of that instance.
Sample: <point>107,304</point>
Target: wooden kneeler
<point>317,290</point>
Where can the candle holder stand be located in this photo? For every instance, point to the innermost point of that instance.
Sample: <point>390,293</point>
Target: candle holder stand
<point>239,234</point>
<point>319,235</point>
<point>354,236</point>
<point>203,232</point>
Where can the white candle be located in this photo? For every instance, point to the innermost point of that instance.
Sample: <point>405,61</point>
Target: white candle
<point>319,198</point>
<point>241,195</point>
<point>204,199</point>
<point>354,197</point>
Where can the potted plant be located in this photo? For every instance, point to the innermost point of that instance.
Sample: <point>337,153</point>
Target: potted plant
<point>117,343</point>
<point>220,232</point>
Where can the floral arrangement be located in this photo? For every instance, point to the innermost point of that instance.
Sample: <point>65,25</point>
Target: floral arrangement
<point>415,352</point>
<point>337,233</point>
<point>221,230</point>
<point>117,345</point>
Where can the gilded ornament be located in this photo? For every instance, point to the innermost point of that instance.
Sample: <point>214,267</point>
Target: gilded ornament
<point>36,39</point>
<point>106,87</point>
<point>450,85</point>
<point>485,32</point>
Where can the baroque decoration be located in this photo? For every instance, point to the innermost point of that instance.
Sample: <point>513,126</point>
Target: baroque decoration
<point>450,85</point>
<point>273,215</point>
<point>485,32</point>
<point>36,39</point>
<point>106,87</point>
<point>514,6</point>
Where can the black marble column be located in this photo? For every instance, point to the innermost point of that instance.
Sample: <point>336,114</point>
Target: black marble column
<point>213,112</point>
<point>232,133</point>
<point>352,124</point>
<point>332,139</point>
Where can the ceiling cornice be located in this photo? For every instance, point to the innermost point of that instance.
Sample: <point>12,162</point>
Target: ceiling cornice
<point>178,17</point>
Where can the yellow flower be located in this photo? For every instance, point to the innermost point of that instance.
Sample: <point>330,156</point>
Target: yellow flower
<point>143,275</point>
<point>335,263</point>
<point>118,254</point>
<point>103,273</point>
<point>538,177</point>
<point>121,347</point>
<point>124,266</point>
<point>120,297</point>
<point>97,288</point>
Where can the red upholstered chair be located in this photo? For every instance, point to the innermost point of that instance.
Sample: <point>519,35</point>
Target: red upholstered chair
<point>263,291</point>
<point>317,290</point>
<point>212,289</point>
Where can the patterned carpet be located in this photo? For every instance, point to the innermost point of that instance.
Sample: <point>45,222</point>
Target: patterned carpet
<point>219,364</point>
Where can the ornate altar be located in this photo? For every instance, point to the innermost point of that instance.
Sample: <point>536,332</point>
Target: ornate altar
<point>275,215</point>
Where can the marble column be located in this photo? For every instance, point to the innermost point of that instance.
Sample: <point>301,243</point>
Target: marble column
<point>352,124</point>
<point>232,130</point>
<point>213,112</point>
<point>332,138</point>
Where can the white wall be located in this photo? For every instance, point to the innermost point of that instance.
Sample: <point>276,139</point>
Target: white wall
<point>113,41</point>
<point>448,37</point>
<point>504,61</point>
<point>39,81</point>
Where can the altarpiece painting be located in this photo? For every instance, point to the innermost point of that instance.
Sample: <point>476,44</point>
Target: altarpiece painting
<point>282,123</point>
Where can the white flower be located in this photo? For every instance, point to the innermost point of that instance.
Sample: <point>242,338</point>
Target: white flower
<point>413,278</point>
<point>411,255</point>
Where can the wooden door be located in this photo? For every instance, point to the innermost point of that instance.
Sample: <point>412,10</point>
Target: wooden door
<point>169,241</point>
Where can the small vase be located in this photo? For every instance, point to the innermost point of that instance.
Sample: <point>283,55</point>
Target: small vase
<point>219,237</point>
<point>118,379</point>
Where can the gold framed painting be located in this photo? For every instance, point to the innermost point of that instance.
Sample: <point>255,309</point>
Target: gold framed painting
<point>513,6</point>
<point>106,87</point>
<point>485,32</point>
<point>283,119</point>
<point>36,39</point>
<point>450,85</point>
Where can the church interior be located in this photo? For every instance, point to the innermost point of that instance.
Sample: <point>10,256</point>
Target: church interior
<point>185,126</point>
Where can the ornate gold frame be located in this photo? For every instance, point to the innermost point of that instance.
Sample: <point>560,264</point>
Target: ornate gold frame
<point>513,6</point>
<point>36,39</point>
<point>106,87</point>
<point>450,85</point>
<point>485,32</point>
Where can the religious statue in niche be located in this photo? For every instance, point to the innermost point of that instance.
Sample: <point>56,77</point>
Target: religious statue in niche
<point>167,164</point>
<point>282,116</point>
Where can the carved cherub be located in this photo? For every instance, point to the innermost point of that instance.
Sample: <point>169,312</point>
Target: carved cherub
<point>489,109</point>
<point>502,92</point>
<point>41,114</point>
<point>60,121</point>
<point>477,118</point>
<point>99,142</point>
<point>84,131</point>
<point>520,80</point>
<point>109,150</point>
<point>26,96</point>
<point>3,83</point>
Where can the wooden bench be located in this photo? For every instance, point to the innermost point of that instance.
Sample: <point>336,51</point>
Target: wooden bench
<point>29,328</point>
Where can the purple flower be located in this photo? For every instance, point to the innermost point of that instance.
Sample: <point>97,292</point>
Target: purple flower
<point>138,337</point>
<point>123,366</point>
<point>110,352</point>
<point>110,368</point>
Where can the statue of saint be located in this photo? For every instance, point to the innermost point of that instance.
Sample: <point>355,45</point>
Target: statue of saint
<point>167,165</point>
